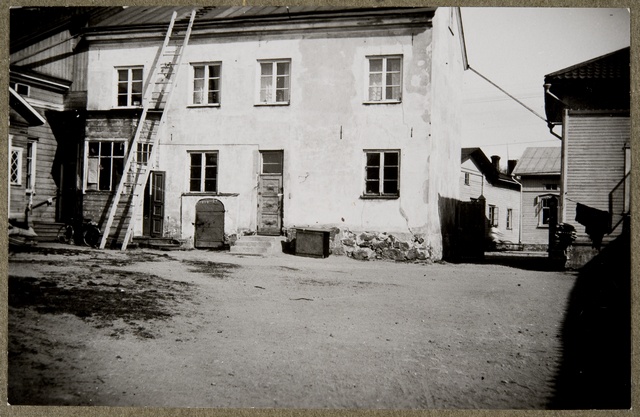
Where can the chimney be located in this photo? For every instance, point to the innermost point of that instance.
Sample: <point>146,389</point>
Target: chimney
<point>511,165</point>
<point>495,160</point>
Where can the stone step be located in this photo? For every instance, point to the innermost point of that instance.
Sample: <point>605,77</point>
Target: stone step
<point>250,250</point>
<point>257,245</point>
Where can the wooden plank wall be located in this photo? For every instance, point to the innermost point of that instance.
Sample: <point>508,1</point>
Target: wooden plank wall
<point>595,163</point>
<point>532,187</point>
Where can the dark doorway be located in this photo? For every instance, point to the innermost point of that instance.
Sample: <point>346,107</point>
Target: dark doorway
<point>153,207</point>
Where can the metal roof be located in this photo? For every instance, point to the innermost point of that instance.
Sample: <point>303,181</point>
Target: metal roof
<point>539,161</point>
<point>610,66</point>
<point>140,15</point>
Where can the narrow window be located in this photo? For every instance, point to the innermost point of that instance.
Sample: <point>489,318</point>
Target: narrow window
<point>493,216</point>
<point>206,84</point>
<point>382,173</point>
<point>203,175</point>
<point>385,79</point>
<point>550,186</point>
<point>105,164</point>
<point>509,219</point>
<point>275,82</point>
<point>466,178</point>
<point>15,166</point>
<point>129,87</point>
<point>21,89</point>
<point>544,210</point>
<point>143,153</point>
<point>31,165</point>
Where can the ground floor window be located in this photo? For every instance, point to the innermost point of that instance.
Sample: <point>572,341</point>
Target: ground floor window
<point>544,210</point>
<point>104,164</point>
<point>509,219</point>
<point>493,216</point>
<point>15,166</point>
<point>203,172</point>
<point>382,173</point>
<point>31,165</point>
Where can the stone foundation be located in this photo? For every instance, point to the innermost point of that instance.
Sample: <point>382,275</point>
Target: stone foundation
<point>367,246</point>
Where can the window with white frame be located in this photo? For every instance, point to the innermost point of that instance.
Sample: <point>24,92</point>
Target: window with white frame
<point>384,79</point>
<point>467,178</point>
<point>206,84</point>
<point>203,175</point>
<point>382,173</point>
<point>15,166</point>
<point>544,210</point>
<point>493,215</point>
<point>31,166</point>
<point>104,164</point>
<point>21,89</point>
<point>129,87</point>
<point>275,81</point>
<point>509,224</point>
<point>143,153</point>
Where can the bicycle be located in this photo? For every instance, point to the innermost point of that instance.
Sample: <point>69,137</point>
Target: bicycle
<point>90,233</point>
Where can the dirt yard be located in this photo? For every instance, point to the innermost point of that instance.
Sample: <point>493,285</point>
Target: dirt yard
<point>209,329</point>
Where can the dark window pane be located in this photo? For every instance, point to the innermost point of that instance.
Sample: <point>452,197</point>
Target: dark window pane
<point>211,158</point>
<point>210,173</point>
<point>282,68</point>
<point>214,97</point>
<point>390,187</point>
<point>118,148</point>
<point>393,64</point>
<point>375,65</point>
<point>393,93</point>
<point>118,167</point>
<point>105,173</point>
<point>105,148</point>
<point>122,101</point>
<point>198,72</point>
<point>136,74</point>
<point>266,68</point>
<point>391,173</point>
<point>373,187</point>
<point>123,88</point>
<point>214,85</point>
<point>196,173</point>
<point>196,159</point>
<point>210,185</point>
<point>194,185</point>
<point>214,70</point>
<point>123,75</point>
<point>373,159</point>
<point>94,148</point>
<point>390,159</point>
<point>373,173</point>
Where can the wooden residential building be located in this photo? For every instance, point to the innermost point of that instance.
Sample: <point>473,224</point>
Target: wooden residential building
<point>480,176</point>
<point>538,170</point>
<point>591,100</point>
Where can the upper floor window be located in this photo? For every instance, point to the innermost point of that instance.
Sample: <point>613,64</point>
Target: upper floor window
<point>466,178</point>
<point>206,84</point>
<point>15,166</point>
<point>385,79</point>
<point>104,164</point>
<point>543,204</point>
<point>129,87</point>
<point>203,175</point>
<point>382,173</point>
<point>550,186</point>
<point>275,82</point>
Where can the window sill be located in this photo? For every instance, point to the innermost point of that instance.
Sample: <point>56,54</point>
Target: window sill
<point>200,106</point>
<point>284,103</point>
<point>382,102</point>
<point>127,108</point>
<point>209,194</point>
<point>542,226</point>
<point>379,197</point>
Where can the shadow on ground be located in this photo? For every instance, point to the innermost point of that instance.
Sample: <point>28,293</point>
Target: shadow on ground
<point>595,372</point>
<point>514,260</point>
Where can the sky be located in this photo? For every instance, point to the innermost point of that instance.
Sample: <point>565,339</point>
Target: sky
<point>515,48</point>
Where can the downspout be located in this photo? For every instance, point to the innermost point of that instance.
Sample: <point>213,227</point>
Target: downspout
<point>551,125</point>
<point>513,177</point>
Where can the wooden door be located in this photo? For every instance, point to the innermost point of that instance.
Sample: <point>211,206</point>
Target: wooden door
<point>471,223</point>
<point>270,194</point>
<point>209,224</point>
<point>153,205</point>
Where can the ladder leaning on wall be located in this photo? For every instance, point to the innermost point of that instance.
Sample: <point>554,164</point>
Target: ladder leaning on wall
<point>129,195</point>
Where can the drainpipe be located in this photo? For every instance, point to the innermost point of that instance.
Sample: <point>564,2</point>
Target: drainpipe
<point>513,177</point>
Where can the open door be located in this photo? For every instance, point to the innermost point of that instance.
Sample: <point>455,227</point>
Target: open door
<point>270,193</point>
<point>153,217</point>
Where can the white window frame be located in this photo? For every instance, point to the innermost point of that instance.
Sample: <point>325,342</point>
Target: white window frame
<point>192,79</point>
<point>494,215</point>
<point>467,178</point>
<point>540,208</point>
<point>129,70</point>
<point>85,182</point>
<point>202,154</point>
<point>381,178</point>
<point>31,168</point>
<point>17,86</point>
<point>509,222</point>
<point>15,150</point>
<point>272,100</point>
<point>384,72</point>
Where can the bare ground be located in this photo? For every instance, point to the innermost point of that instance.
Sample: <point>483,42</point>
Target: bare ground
<point>209,329</point>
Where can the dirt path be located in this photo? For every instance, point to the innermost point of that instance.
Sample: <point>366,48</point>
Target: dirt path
<point>205,329</point>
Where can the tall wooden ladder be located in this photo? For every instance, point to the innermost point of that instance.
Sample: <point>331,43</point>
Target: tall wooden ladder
<point>129,195</point>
